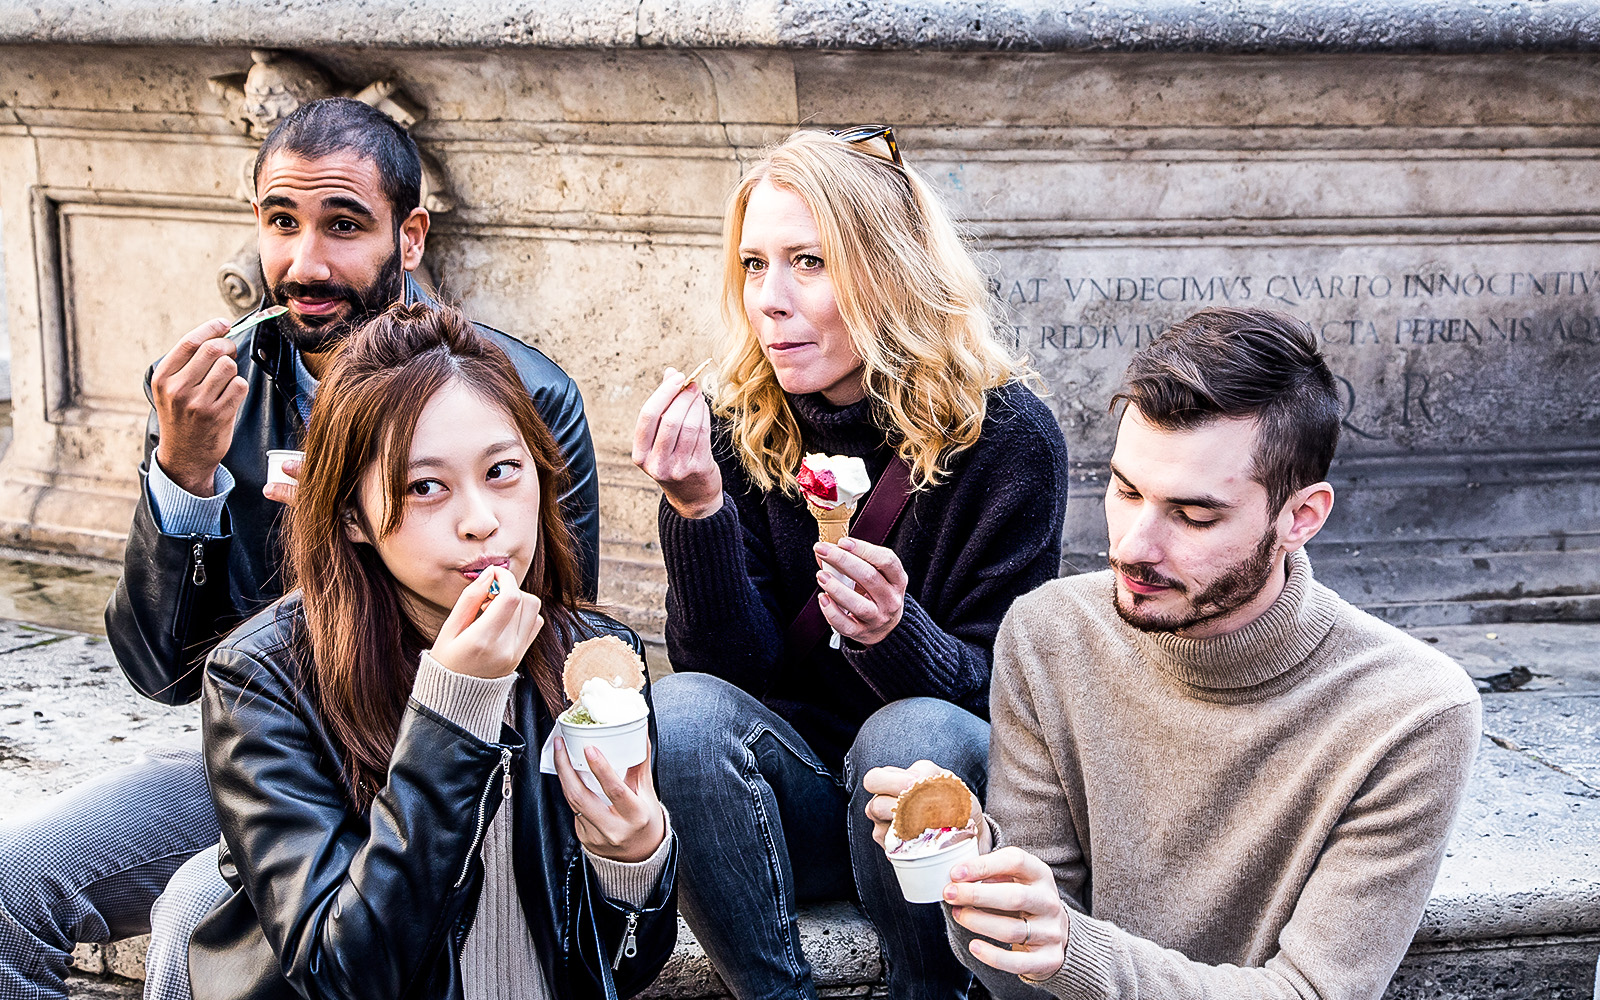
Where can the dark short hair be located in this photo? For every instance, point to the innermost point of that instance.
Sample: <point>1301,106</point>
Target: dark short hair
<point>343,124</point>
<point>1250,363</point>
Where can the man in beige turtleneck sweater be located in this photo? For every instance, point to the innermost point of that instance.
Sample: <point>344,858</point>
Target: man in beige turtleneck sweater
<point>1210,777</point>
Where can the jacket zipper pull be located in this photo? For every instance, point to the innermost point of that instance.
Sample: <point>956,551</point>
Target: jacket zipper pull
<point>199,573</point>
<point>483,809</point>
<point>630,945</point>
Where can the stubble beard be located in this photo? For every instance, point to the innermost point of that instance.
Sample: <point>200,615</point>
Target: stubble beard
<point>1237,586</point>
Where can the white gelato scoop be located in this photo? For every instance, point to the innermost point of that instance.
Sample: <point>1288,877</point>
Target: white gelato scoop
<point>847,474</point>
<point>930,842</point>
<point>609,705</point>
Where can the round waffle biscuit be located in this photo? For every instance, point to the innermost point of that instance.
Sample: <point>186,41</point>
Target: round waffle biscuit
<point>607,657</point>
<point>932,803</point>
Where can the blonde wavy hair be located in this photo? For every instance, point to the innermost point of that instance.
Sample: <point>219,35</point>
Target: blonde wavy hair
<point>917,308</point>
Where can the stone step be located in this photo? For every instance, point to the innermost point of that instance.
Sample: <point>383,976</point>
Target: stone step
<point>633,589</point>
<point>1514,915</point>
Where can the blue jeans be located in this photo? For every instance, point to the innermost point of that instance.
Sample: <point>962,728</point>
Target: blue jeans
<point>763,825</point>
<point>89,863</point>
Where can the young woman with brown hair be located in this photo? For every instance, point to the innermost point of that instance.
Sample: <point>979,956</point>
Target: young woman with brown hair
<point>368,737</point>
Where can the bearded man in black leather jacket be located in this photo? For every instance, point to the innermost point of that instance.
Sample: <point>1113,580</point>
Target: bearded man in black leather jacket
<point>340,231</point>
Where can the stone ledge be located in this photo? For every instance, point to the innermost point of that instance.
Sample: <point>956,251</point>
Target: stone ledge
<point>1243,26</point>
<point>844,953</point>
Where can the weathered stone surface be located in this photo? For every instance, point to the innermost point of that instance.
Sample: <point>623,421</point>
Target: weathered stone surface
<point>67,713</point>
<point>1558,657</point>
<point>1562,731</point>
<point>1112,193</point>
<point>1524,969</point>
<point>92,987</point>
<point>836,939</point>
<point>1124,25</point>
<point>1524,859</point>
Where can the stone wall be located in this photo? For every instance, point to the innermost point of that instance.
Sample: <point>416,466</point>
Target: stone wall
<point>1419,182</point>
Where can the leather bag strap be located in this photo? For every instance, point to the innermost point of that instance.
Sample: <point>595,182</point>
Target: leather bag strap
<point>877,518</point>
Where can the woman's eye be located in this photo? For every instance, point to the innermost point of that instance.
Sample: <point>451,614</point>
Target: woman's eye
<point>425,488</point>
<point>808,262</point>
<point>754,265</point>
<point>504,470</point>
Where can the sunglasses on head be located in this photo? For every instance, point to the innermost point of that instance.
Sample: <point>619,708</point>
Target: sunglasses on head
<point>867,133</point>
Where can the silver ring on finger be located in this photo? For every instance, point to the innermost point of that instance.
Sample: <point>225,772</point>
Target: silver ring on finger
<point>1027,932</point>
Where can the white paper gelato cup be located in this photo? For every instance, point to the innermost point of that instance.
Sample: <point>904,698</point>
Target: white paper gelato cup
<point>623,745</point>
<point>922,879</point>
<point>275,459</point>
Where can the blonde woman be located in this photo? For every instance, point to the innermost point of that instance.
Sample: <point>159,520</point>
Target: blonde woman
<point>858,325</point>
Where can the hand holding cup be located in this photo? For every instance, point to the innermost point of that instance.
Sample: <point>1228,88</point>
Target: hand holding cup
<point>623,821</point>
<point>283,474</point>
<point>927,821</point>
<point>1010,896</point>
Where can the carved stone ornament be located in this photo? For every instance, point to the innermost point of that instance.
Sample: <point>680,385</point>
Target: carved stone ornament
<point>276,84</point>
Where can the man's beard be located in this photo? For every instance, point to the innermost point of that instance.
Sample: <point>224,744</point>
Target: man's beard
<point>317,334</point>
<point>1237,586</point>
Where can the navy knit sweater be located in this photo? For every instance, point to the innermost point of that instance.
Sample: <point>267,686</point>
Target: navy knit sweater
<point>990,532</point>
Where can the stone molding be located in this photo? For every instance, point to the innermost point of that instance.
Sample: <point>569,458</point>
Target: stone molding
<point>53,210</point>
<point>1243,26</point>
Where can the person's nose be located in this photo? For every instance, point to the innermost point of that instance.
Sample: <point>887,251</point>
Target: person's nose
<point>309,264</point>
<point>777,293</point>
<point>1142,538</point>
<point>476,520</point>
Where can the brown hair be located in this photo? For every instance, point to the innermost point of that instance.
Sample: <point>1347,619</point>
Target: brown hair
<point>363,647</point>
<point>1252,363</point>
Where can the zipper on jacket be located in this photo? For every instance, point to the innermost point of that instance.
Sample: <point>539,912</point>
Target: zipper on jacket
<point>197,558</point>
<point>630,944</point>
<point>501,769</point>
<point>195,577</point>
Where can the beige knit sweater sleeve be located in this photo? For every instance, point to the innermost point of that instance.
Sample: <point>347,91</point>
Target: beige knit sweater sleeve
<point>1351,923</point>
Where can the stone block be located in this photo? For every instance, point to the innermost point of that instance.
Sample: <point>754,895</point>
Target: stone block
<point>835,937</point>
<point>1520,969</point>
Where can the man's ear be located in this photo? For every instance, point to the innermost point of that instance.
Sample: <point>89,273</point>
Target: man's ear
<point>352,528</point>
<point>1307,510</point>
<point>414,238</point>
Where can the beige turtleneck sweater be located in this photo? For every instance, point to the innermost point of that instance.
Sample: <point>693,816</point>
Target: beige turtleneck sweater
<point>498,960</point>
<point>1259,814</point>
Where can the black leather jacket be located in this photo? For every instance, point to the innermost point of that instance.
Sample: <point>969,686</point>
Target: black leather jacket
<point>332,903</point>
<point>179,594</point>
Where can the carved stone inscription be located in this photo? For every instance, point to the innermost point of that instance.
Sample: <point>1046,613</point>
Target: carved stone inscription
<point>1483,346</point>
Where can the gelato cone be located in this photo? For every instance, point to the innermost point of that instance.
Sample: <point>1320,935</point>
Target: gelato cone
<point>832,485</point>
<point>605,657</point>
<point>940,801</point>
<point>832,523</point>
